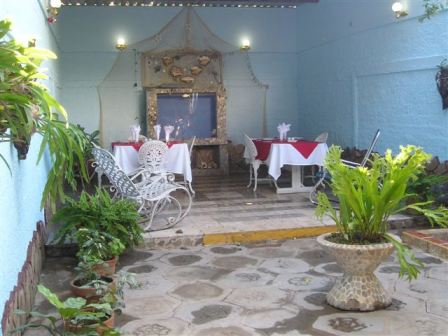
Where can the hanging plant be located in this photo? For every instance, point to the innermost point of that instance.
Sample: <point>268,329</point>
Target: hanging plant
<point>442,82</point>
<point>432,7</point>
<point>26,107</point>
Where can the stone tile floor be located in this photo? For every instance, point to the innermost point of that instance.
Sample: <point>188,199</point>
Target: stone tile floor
<point>273,288</point>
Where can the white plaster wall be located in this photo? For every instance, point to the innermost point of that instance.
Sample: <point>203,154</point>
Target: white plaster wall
<point>21,190</point>
<point>88,37</point>
<point>361,69</point>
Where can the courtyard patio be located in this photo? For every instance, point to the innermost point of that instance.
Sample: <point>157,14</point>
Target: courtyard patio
<point>265,289</point>
<point>223,167</point>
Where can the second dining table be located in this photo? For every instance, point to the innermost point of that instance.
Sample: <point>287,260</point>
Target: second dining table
<point>296,153</point>
<point>177,161</point>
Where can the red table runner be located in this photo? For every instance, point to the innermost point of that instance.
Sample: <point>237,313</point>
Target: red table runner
<point>303,147</point>
<point>137,145</point>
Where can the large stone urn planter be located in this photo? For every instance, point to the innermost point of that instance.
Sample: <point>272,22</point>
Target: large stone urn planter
<point>359,288</point>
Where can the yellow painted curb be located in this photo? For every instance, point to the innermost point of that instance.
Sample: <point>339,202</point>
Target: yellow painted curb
<point>253,236</point>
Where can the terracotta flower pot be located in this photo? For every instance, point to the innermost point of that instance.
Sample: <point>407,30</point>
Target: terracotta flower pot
<point>107,267</point>
<point>359,288</point>
<point>108,324</point>
<point>89,293</point>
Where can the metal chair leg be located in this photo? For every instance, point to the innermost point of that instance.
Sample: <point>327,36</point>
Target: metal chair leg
<point>250,175</point>
<point>255,178</point>
<point>191,188</point>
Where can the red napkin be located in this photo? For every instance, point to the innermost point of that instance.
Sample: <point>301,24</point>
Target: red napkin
<point>170,143</point>
<point>136,145</point>
<point>304,147</point>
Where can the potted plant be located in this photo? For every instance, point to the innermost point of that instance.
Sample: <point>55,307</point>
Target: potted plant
<point>100,212</point>
<point>114,296</point>
<point>76,317</point>
<point>367,197</point>
<point>101,249</point>
<point>26,108</point>
<point>88,283</point>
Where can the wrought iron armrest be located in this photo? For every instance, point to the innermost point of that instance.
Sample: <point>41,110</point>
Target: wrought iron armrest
<point>351,164</point>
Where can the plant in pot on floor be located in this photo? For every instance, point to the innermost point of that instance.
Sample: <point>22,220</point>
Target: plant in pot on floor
<point>100,248</point>
<point>99,211</point>
<point>93,280</point>
<point>76,317</point>
<point>88,283</point>
<point>367,198</point>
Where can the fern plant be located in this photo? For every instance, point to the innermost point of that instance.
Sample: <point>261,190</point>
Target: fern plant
<point>367,197</point>
<point>100,212</point>
<point>26,107</point>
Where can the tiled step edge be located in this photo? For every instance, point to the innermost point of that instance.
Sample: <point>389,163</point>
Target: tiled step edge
<point>265,235</point>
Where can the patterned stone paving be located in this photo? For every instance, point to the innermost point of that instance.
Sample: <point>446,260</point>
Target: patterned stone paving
<point>266,289</point>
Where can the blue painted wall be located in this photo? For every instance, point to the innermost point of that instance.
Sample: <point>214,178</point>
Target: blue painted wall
<point>360,69</point>
<point>88,37</point>
<point>21,190</point>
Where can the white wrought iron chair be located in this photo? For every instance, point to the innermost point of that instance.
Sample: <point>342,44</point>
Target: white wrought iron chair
<point>153,195</point>
<point>152,157</point>
<point>323,137</point>
<point>325,178</point>
<point>254,163</point>
<point>190,151</point>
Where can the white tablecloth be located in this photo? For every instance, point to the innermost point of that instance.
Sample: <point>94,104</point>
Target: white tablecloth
<point>178,159</point>
<point>285,154</point>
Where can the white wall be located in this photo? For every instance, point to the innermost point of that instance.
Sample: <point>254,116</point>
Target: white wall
<point>361,69</point>
<point>21,190</point>
<point>88,37</point>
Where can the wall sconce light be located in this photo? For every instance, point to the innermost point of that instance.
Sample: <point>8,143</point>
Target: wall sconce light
<point>121,44</point>
<point>398,9</point>
<point>245,44</point>
<point>53,10</point>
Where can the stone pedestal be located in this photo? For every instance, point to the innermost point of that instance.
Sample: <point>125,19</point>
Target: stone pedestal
<point>359,288</point>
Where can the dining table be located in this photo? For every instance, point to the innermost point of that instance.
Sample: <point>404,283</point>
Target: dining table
<point>295,153</point>
<point>177,161</point>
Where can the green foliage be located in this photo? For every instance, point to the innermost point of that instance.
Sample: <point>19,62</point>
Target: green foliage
<point>99,212</point>
<point>98,246</point>
<point>424,186</point>
<point>92,140</point>
<point>115,296</point>
<point>368,197</point>
<point>26,107</point>
<point>432,7</point>
<point>74,311</point>
<point>87,276</point>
